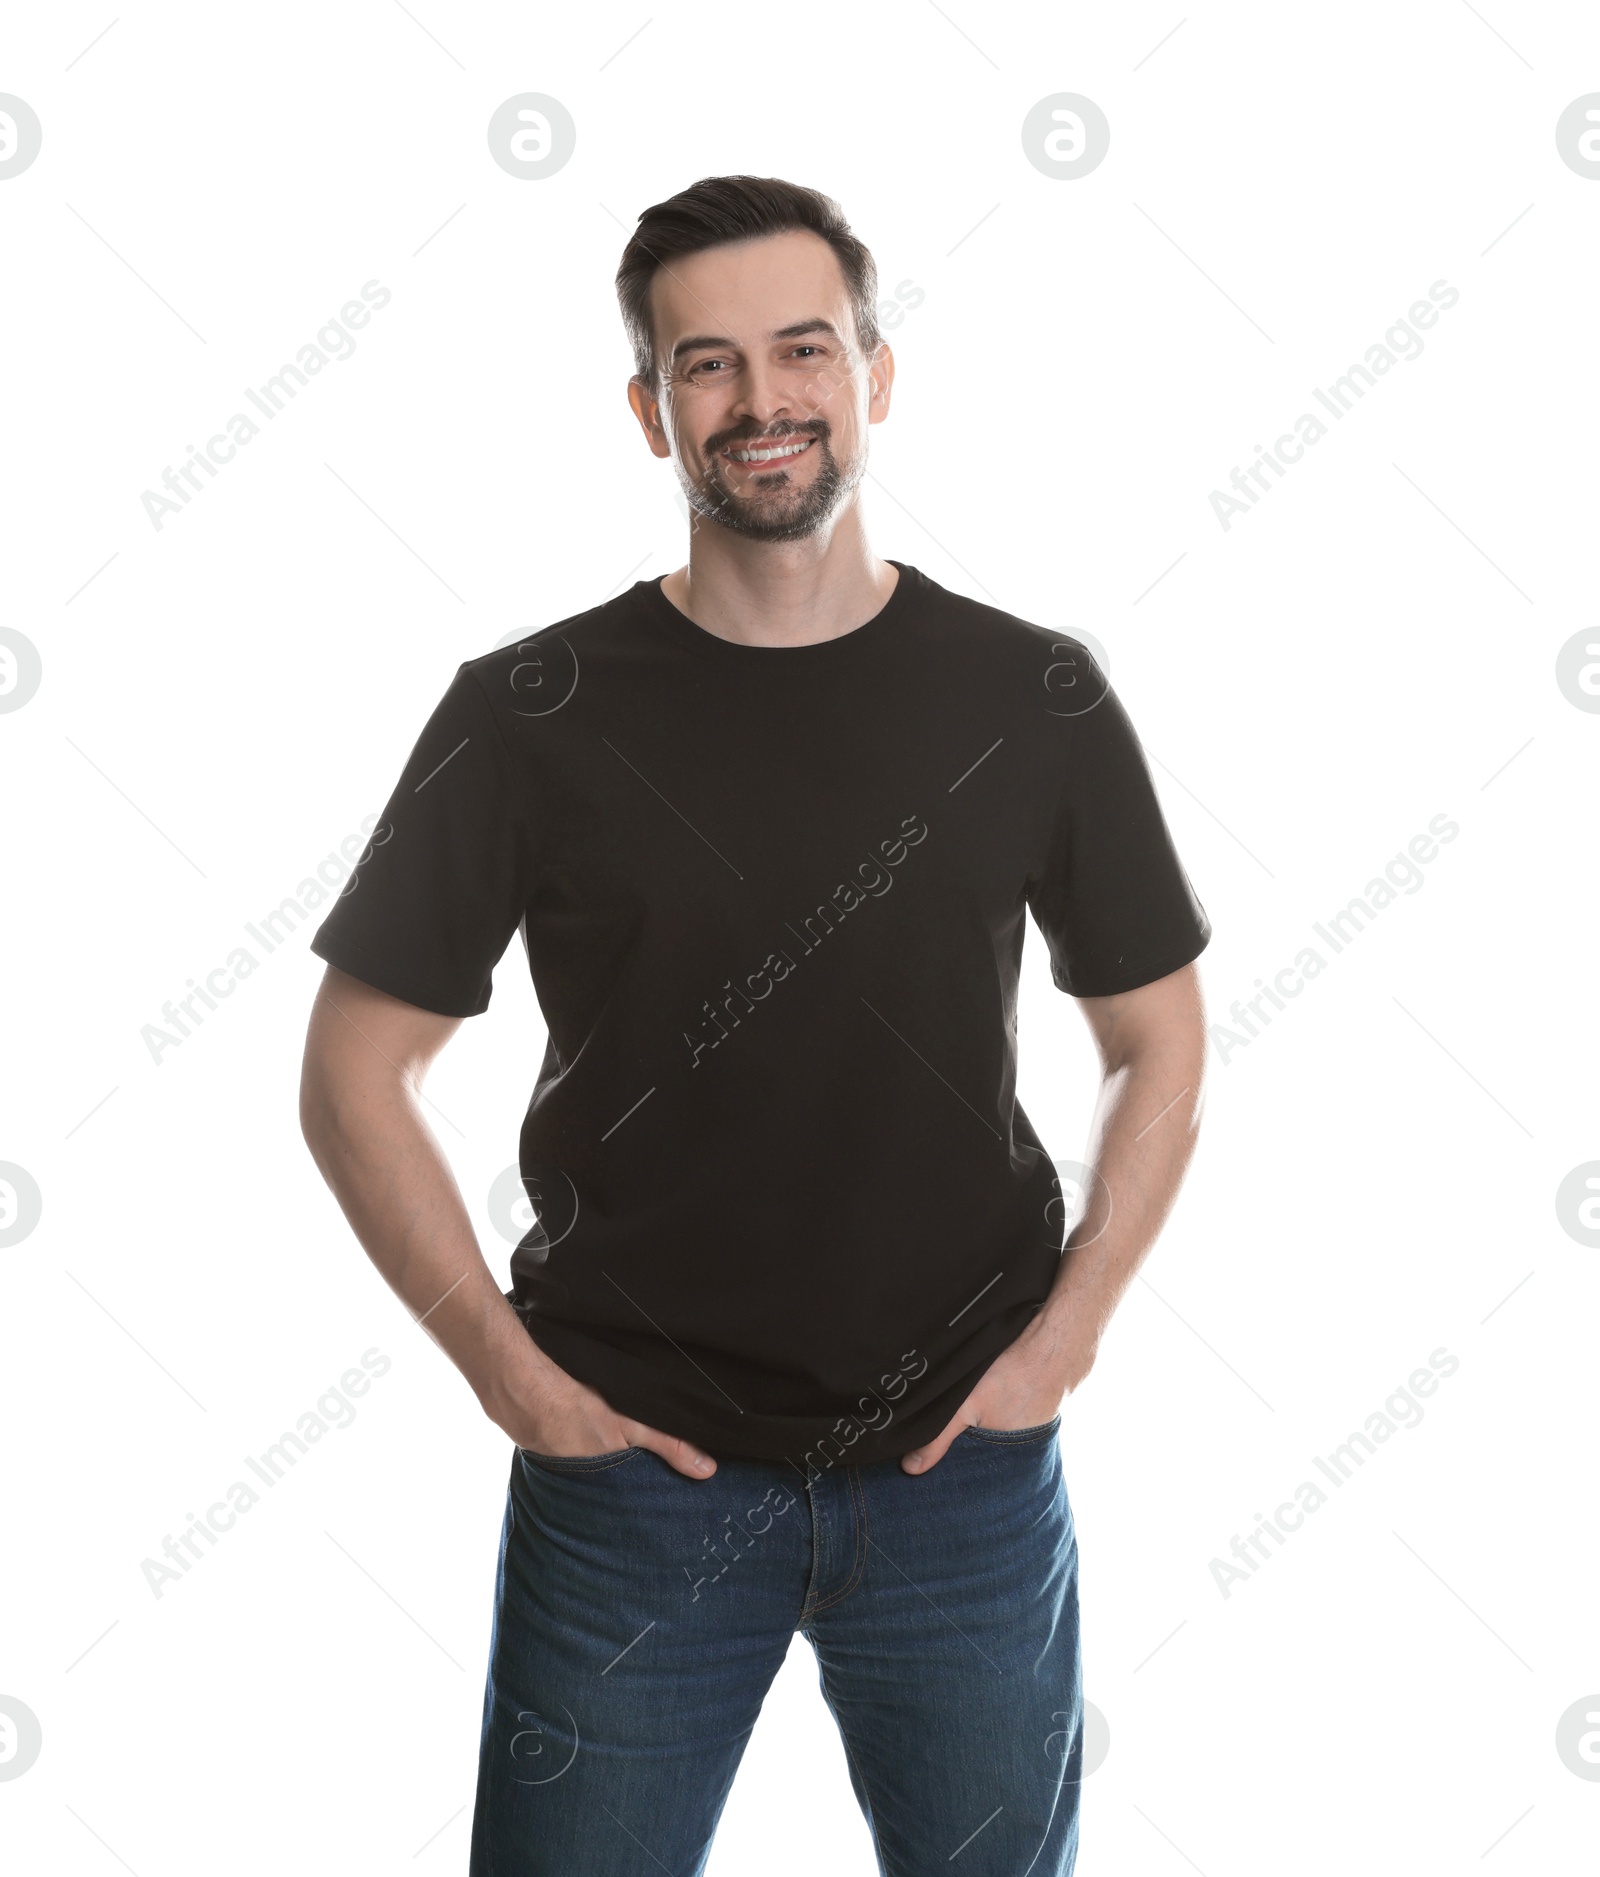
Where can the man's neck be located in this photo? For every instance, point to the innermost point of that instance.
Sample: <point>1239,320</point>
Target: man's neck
<point>778,593</point>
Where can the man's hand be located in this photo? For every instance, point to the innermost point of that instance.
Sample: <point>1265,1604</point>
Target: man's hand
<point>1022,1387</point>
<point>564,1417</point>
<point>360,1108</point>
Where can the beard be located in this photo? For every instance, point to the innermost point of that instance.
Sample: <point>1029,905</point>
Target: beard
<point>778,508</point>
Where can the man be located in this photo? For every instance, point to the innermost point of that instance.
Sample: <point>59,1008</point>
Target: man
<point>787,1346</point>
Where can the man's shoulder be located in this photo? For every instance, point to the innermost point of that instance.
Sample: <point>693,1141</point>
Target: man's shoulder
<point>990,629</point>
<point>538,668</point>
<point>595,624</point>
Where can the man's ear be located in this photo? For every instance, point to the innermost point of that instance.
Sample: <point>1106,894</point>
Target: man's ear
<point>647,408</point>
<point>881,373</point>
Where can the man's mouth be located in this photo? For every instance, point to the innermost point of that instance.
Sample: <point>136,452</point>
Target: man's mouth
<point>769,453</point>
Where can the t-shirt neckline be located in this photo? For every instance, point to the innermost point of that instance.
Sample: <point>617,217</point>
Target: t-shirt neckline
<point>874,631</point>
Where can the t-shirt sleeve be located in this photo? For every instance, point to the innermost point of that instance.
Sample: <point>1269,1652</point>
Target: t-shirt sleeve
<point>1112,899</point>
<point>446,874</point>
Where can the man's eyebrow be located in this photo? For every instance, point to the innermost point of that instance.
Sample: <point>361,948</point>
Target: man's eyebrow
<point>703,342</point>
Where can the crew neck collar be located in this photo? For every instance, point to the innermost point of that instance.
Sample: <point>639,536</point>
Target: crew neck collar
<point>879,629</point>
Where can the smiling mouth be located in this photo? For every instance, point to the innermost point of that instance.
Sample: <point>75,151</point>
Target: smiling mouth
<point>774,453</point>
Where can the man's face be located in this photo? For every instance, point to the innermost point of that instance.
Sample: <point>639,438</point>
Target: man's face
<point>765,397</point>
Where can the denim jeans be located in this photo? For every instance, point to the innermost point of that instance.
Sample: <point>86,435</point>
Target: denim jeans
<point>640,1617</point>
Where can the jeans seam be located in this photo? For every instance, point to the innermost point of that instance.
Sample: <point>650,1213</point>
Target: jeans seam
<point>858,1499</point>
<point>579,1463</point>
<point>1014,1436</point>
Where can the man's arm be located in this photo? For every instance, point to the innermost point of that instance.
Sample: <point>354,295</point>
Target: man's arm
<point>361,1114</point>
<point>1152,1045</point>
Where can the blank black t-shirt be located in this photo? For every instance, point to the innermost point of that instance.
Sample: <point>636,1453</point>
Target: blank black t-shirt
<point>773,903</point>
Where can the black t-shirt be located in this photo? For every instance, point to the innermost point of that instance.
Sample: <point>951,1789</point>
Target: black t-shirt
<point>773,903</point>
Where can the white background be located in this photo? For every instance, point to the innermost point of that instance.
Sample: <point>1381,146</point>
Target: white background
<point>1372,645</point>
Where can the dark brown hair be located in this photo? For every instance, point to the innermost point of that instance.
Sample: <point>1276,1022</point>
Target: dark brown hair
<point>719,209</point>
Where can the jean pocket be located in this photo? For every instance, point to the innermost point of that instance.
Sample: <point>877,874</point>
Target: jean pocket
<point>579,1462</point>
<point>1013,1436</point>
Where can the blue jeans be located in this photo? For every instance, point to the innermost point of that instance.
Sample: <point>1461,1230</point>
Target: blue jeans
<point>640,1617</point>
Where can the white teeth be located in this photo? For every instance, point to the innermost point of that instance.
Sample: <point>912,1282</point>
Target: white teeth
<point>766,456</point>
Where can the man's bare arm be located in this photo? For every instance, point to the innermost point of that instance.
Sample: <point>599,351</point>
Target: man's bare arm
<point>366,1056</point>
<point>1152,1044</point>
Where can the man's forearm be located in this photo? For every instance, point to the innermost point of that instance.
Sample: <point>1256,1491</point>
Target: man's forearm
<point>1145,1126</point>
<point>395,1187</point>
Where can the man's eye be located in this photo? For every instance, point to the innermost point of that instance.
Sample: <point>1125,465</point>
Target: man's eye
<point>704,363</point>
